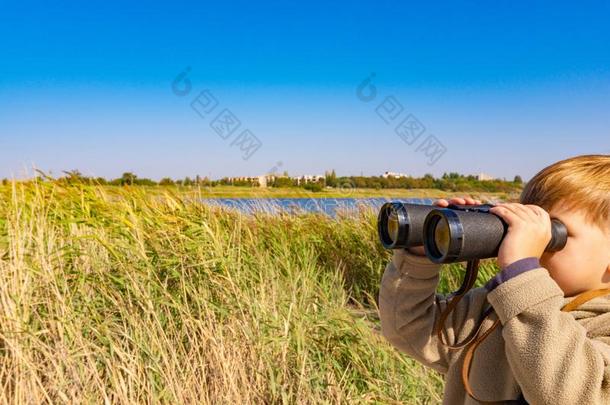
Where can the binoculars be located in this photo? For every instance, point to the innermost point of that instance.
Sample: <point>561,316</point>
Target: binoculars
<point>453,234</point>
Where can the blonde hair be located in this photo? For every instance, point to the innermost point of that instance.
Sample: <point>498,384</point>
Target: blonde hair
<point>581,183</point>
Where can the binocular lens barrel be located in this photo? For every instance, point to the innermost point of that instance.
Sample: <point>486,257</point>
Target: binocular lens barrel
<point>400,225</point>
<point>455,235</point>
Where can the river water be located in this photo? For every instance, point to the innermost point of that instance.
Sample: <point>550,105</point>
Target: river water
<point>329,206</point>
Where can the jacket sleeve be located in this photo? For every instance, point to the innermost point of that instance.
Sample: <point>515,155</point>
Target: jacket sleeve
<point>548,351</point>
<point>409,308</point>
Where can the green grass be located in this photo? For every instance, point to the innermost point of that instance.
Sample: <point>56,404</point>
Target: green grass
<point>298,192</point>
<point>126,297</point>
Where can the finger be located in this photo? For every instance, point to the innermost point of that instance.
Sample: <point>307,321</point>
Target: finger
<point>457,200</point>
<point>538,209</point>
<point>470,201</point>
<point>505,213</point>
<point>518,211</point>
<point>441,203</point>
<point>528,212</point>
<point>541,213</point>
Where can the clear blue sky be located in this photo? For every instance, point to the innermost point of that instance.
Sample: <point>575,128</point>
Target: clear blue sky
<point>506,87</point>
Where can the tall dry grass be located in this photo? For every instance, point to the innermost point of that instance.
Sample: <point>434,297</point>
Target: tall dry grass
<point>128,298</point>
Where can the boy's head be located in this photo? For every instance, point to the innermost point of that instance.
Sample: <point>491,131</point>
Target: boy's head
<point>577,192</point>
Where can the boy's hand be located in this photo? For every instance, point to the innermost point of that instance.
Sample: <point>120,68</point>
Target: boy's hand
<point>442,203</point>
<point>529,232</point>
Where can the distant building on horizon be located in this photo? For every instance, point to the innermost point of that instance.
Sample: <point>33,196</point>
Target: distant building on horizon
<point>256,180</point>
<point>264,180</point>
<point>393,175</point>
<point>308,178</point>
<point>484,176</point>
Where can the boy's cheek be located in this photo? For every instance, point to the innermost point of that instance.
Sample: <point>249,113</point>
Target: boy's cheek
<point>554,265</point>
<point>564,272</point>
<point>564,258</point>
<point>547,259</point>
<point>564,279</point>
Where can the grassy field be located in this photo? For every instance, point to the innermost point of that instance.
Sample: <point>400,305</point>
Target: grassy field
<point>298,192</point>
<point>130,298</point>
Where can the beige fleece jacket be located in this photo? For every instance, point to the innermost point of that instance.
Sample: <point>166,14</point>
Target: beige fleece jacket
<point>552,357</point>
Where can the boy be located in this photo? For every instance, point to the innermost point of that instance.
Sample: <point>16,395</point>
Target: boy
<point>539,353</point>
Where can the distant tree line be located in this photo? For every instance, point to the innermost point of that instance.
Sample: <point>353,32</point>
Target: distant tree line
<point>131,179</point>
<point>448,181</point>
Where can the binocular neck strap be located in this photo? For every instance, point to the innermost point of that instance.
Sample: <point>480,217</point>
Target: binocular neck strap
<point>572,305</point>
<point>472,269</point>
<point>584,297</point>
